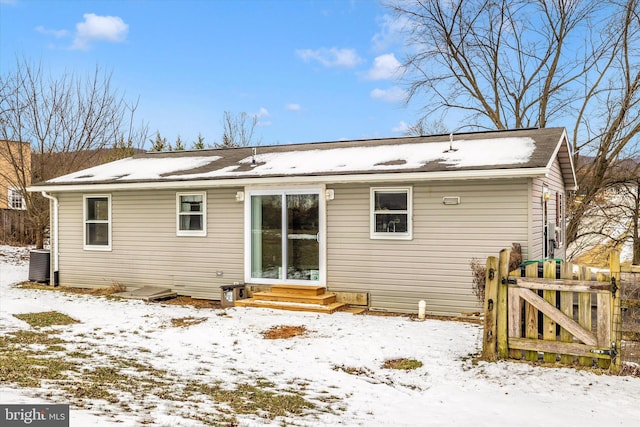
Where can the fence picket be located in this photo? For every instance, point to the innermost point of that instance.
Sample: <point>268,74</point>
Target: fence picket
<point>566,306</point>
<point>548,325</point>
<point>531,315</point>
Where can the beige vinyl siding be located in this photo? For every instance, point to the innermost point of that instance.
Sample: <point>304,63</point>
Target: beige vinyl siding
<point>146,250</point>
<point>434,265</point>
<point>555,184</point>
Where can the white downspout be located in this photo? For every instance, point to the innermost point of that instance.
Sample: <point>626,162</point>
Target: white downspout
<point>54,225</point>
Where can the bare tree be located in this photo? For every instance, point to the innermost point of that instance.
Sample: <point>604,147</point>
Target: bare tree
<point>69,122</point>
<point>614,218</point>
<point>427,127</point>
<point>534,63</point>
<point>238,130</point>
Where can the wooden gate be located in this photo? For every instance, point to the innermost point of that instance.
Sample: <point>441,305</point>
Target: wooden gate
<point>562,317</point>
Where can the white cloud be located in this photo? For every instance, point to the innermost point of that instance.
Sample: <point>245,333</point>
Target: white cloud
<point>331,57</point>
<point>99,28</point>
<point>55,33</point>
<point>390,33</point>
<point>393,94</point>
<point>385,67</point>
<point>262,112</point>
<point>293,107</point>
<point>402,127</point>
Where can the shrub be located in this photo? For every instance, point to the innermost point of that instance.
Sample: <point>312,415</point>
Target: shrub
<point>478,273</point>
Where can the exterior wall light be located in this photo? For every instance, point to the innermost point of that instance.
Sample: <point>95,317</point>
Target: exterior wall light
<point>451,200</point>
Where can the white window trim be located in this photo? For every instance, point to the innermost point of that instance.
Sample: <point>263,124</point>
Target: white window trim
<point>260,191</point>
<point>84,223</point>
<point>10,192</point>
<point>408,235</point>
<point>192,233</point>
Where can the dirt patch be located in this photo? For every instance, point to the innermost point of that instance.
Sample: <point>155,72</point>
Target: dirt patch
<point>284,332</point>
<point>183,322</point>
<point>108,290</point>
<point>402,364</point>
<point>193,302</point>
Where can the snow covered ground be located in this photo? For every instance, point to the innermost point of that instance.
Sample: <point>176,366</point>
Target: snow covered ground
<point>337,366</point>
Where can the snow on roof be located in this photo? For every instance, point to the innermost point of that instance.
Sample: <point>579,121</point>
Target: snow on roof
<point>382,158</point>
<point>134,169</point>
<point>304,161</point>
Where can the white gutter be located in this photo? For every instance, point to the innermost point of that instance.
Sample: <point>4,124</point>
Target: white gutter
<point>279,180</point>
<point>54,224</point>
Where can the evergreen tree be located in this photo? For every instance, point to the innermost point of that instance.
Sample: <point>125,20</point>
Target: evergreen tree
<point>179,145</point>
<point>199,145</point>
<point>160,143</point>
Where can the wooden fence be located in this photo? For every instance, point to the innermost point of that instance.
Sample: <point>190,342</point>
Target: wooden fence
<point>14,228</point>
<point>549,311</point>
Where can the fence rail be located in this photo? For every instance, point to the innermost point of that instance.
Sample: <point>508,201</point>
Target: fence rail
<point>564,317</point>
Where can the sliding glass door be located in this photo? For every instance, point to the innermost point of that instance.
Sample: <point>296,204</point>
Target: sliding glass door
<point>284,239</point>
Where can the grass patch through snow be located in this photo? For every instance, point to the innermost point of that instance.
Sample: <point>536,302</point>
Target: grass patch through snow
<point>83,377</point>
<point>46,318</point>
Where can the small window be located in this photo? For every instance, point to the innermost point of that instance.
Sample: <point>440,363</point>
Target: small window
<point>15,199</point>
<point>191,214</point>
<point>97,222</point>
<point>391,213</point>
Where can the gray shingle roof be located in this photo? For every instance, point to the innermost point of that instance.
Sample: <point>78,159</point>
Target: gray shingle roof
<point>520,149</point>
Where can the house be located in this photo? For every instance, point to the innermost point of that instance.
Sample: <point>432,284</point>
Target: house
<point>397,218</point>
<point>15,173</point>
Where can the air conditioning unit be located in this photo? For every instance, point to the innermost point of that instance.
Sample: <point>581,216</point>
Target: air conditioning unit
<point>39,265</point>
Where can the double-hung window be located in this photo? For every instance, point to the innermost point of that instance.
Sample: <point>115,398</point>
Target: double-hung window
<point>391,213</point>
<point>97,222</point>
<point>191,213</point>
<point>15,199</point>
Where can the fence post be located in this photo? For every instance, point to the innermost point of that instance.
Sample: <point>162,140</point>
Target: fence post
<point>490,309</point>
<point>503,276</point>
<point>616,314</point>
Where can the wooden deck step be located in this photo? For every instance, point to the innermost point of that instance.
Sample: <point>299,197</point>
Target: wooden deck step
<point>292,306</point>
<point>323,299</point>
<point>298,289</point>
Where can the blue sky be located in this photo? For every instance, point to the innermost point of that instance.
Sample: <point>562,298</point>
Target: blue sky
<point>310,70</point>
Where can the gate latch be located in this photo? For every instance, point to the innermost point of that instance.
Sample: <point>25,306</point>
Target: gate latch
<point>614,287</point>
<point>509,281</point>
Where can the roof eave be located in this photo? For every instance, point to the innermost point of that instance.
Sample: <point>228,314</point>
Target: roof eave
<point>289,180</point>
<point>571,176</point>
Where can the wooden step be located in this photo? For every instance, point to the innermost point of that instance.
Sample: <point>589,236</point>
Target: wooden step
<point>298,289</point>
<point>292,306</point>
<point>323,299</point>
